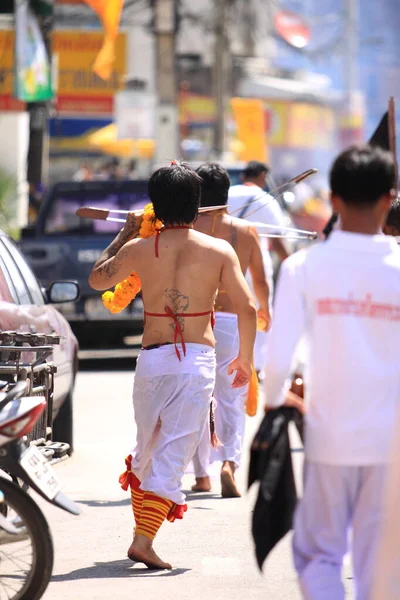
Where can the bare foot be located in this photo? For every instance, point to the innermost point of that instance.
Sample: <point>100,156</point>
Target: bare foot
<point>141,550</point>
<point>203,484</point>
<point>228,484</point>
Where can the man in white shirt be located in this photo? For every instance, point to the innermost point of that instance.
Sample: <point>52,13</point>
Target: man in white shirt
<point>387,574</point>
<point>249,201</point>
<point>344,296</point>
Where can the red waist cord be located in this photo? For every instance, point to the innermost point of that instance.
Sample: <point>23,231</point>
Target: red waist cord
<point>178,329</point>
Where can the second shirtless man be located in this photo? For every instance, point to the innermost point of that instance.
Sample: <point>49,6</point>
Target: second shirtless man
<point>230,413</point>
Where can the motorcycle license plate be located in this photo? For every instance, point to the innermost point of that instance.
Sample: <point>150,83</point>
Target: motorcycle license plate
<point>39,470</point>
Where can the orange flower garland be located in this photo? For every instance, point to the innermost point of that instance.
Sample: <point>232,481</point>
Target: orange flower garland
<point>128,289</point>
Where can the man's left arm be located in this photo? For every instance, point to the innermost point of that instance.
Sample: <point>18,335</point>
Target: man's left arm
<point>288,325</point>
<point>115,263</point>
<point>272,214</point>
<point>279,248</point>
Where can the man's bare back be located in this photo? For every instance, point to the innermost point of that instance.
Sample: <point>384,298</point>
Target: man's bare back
<point>244,240</point>
<point>185,276</point>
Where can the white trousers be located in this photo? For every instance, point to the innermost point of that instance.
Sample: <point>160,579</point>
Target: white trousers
<point>261,343</point>
<point>230,413</point>
<point>171,401</point>
<point>387,569</point>
<point>337,498</point>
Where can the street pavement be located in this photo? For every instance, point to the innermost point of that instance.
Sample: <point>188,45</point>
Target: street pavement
<point>211,548</point>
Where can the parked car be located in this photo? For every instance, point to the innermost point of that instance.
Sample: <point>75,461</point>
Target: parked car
<point>25,306</point>
<point>63,246</point>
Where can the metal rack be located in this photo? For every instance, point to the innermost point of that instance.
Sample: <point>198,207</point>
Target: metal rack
<point>24,356</point>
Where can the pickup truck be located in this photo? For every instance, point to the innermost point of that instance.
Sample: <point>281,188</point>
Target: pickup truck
<point>61,245</point>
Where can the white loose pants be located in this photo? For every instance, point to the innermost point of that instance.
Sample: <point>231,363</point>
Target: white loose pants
<point>171,400</point>
<point>337,498</point>
<point>387,568</point>
<point>261,343</point>
<point>230,413</point>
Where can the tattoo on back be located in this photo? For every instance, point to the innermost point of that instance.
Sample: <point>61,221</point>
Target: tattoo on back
<point>111,267</point>
<point>180,304</point>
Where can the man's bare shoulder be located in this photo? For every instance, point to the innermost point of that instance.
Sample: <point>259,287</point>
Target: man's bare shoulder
<point>217,245</point>
<point>245,227</point>
<point>246,230</point>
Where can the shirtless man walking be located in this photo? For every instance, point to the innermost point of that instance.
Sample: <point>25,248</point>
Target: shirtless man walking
<point>180,271</point>
<point>230,413</point>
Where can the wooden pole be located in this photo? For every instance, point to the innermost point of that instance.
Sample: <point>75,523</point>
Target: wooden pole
<point>392,138</point>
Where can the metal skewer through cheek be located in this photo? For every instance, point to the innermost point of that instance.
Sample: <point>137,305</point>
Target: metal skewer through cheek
<point>288,236</point>
<point>303,233</point>
<point>312,234</point>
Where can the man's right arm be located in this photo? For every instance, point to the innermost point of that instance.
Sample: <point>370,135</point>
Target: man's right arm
<point>287,328</point>
<point>235,285</point>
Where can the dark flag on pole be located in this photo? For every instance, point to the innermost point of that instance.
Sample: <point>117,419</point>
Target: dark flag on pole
<point>384,137</point>
<point>271,465</point>
<point>380,137</point>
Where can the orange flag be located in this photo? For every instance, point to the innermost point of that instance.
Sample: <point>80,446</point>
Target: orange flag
<point>109,12</point>
<point>249,114</point>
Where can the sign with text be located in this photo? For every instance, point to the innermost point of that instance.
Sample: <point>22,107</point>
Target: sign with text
<point>135,114</point>
<point>79,89</point>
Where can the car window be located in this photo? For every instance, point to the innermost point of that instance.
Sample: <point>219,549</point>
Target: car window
<point>63,220</point>
<point>7,293</point>
<point>235,176</point>
<point>23,296</point>
<point>29,278</point>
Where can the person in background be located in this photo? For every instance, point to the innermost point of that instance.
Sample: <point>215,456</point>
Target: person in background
<point>243,199</point>
<point>131,169</point>
<point>344,296</point>
<point>386,582</point>
<point>84,173</point>
<point>230,414</point>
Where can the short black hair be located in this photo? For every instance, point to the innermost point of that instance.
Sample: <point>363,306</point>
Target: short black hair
<point>362,174</point>
<point>175,194</point>
<point>215,184</point>
<point>254,168</point>
<point>393,217</point>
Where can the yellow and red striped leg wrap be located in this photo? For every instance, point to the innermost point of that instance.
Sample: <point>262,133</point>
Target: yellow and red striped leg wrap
<point>152,515</point>
<point>136,497</point>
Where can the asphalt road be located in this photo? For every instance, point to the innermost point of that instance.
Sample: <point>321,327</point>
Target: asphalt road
<point>211,548</point>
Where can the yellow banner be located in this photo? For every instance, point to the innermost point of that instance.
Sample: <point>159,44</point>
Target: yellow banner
<point>77,51</point>
<point>79,89</point>
<point>249,115</point>
<point>310,126</point>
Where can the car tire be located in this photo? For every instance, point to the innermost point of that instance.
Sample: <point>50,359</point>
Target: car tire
<point>63,430</point>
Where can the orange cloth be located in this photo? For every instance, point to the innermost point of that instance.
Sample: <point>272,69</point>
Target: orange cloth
<point>109,12</point>
<point>252,395</point>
